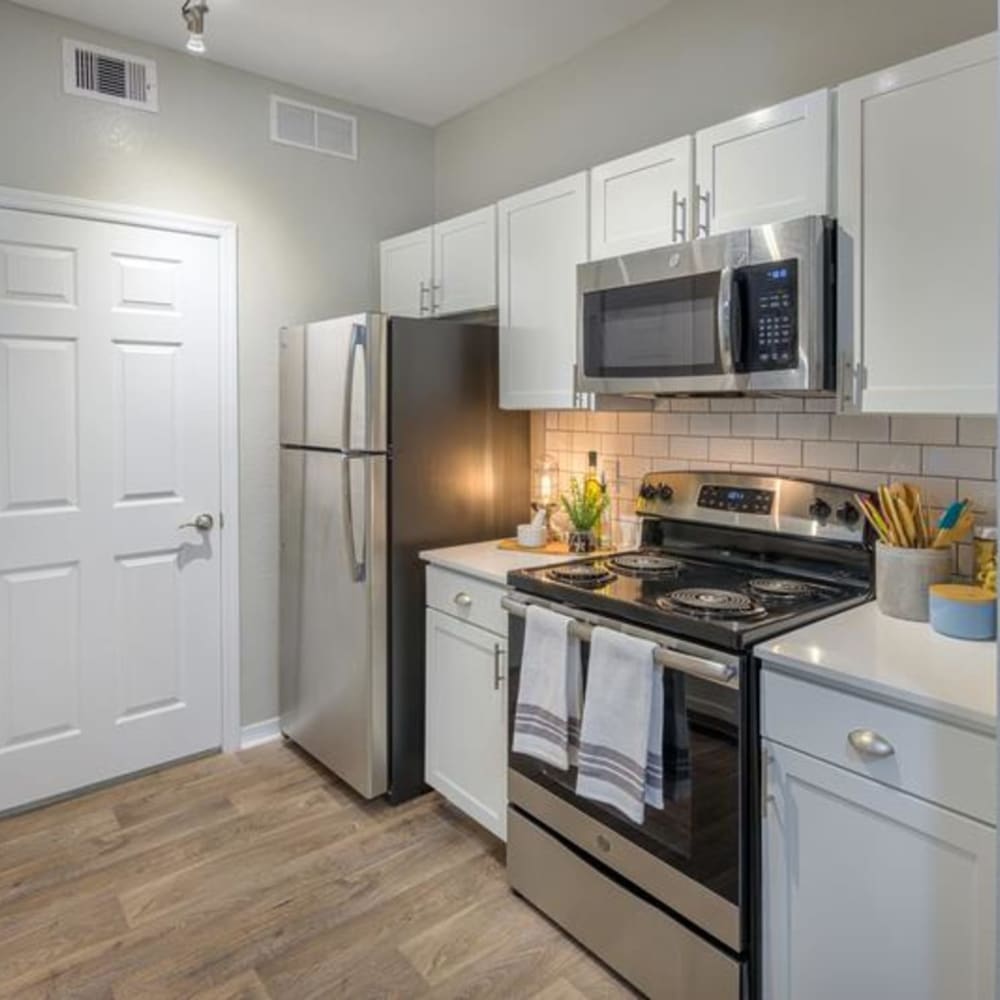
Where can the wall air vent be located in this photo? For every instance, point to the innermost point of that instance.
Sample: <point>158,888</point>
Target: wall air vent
<point>309,127</point>
<point>90,71</point>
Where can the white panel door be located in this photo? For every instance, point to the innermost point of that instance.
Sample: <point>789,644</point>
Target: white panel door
<point>465,263</point>
<point>543,236</point>
<point>110,654</point>
<point>918,242</point>
<point>870,892</point>
<point>642,201</point>
<point>768,166</point>
<point>467,719</point>
<point>406,270</point>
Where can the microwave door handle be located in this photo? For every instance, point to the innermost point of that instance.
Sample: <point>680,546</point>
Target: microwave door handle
<point>722,321</point>
<point>357,341</point>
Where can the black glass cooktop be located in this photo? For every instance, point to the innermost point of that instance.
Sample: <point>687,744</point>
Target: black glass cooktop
<point>727,601</point>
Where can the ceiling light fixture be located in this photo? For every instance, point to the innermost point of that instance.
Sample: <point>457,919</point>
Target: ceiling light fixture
<point>194,12</point>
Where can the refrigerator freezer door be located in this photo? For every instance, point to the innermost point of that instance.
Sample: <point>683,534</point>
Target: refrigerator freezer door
<point>334,666</point>
<point>333,384</point>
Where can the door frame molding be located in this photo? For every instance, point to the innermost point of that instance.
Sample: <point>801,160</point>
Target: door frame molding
<point>22,200</point>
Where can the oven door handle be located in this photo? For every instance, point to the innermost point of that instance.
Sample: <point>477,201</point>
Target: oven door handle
<point>723,320</point>
<point>663,656</point>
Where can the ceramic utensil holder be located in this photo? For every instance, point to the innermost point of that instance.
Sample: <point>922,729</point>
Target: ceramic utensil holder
<point>903,578</point>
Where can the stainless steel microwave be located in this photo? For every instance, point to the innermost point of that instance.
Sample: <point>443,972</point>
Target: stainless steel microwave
<point>743,312</point>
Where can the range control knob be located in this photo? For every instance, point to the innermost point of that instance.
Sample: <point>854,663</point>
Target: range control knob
<point>819,509</point>
<point>648,491</point>
<point>848,514</point>
<point>664,492</point>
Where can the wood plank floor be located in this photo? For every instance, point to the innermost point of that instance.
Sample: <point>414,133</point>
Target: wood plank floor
<point>259,875</point>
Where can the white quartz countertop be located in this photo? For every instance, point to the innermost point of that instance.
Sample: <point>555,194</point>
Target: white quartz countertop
<point>487,562</point>
<point>905,663</point>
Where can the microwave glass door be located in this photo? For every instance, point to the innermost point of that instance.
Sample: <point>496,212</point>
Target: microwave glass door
<point>661,329</point>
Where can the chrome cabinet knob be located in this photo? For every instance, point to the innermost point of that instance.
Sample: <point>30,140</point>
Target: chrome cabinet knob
<point>869,743</point>
<point>463,600</point>
<point>203,522</point>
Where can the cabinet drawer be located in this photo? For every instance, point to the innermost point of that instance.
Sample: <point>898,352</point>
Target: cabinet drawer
<point>466,598</point>
<point>939,762</point>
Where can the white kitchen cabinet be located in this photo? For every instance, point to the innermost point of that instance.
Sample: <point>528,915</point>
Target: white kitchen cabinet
<point>466,718</point>
<point>642,201</point>
<point>443,269</point>
<point>543,235</point>
<point>869,891</point>
<point>465,263</point>
<point>917,206</point>
<point>768,166</point>
<point>406,266</point>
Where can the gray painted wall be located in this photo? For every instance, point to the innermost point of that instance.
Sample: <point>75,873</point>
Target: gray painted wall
<point>695,63</point>
<point>308,229</point>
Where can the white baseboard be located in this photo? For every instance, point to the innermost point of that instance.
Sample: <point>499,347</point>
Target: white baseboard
<point>257,733</point>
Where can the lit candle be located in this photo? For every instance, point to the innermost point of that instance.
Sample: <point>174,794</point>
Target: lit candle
<point>546,488</point>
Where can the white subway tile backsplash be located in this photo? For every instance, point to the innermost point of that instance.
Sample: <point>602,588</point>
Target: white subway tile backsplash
<point>805,426</point>
<point>970,463</point>
<point>689,447</point>
<point>710,424</point>
<point>670,423</point>
<point>945,457</point>
<point>730,449</point>
<point>978,431</point>
<point>924,430</point>
<point>889,457</point>
<point>830,454</point>
<point>635,423</point>
<point>767,452</point>
<point>869,427</point>
<point>755,425</point>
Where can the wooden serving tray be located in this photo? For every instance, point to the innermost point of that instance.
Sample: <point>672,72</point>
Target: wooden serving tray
<point>548,549</point>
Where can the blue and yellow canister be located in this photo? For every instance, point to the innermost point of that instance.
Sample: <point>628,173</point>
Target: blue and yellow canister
<point>963,611</point>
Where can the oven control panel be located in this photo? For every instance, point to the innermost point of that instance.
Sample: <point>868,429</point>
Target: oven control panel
<point>771,303</point>
<point>738,499</point>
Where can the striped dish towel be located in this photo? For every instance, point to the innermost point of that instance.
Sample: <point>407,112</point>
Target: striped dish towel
<point>621,740</point>
<point>547,717</point>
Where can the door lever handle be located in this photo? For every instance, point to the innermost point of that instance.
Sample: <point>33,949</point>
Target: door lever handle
<point>203,522</point>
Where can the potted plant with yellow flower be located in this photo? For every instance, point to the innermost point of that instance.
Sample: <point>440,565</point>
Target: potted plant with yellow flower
<point>584,506</point>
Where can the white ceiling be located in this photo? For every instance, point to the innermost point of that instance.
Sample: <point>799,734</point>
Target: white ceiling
<point>422,59</point>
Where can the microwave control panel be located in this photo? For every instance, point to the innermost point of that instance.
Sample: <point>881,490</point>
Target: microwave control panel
<point>770,303</point>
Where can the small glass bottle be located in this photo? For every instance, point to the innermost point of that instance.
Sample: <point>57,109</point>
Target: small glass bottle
<point>984,544</point>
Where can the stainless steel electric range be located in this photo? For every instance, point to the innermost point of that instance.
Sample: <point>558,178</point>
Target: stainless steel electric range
<point>725,561</point>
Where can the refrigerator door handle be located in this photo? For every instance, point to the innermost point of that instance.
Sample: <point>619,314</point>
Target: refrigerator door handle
<point>357,566</point>
<point>358,339</point>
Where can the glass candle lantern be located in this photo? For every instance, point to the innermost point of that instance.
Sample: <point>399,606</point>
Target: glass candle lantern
<point>545,487</point>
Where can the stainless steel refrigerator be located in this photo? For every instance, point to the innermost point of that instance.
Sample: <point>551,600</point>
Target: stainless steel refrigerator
<point>392,441</point>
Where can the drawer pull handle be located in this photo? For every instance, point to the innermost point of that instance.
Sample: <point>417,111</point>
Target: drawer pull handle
<point>869,743</point>
<point>463,600</point>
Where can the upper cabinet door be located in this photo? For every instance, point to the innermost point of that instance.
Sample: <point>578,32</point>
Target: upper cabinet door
<point>768,166</point>
<point>543,236</point>
<point>917,202</point>
<point>465,263</point>
<point>642,201</point>
<point>406,265</point>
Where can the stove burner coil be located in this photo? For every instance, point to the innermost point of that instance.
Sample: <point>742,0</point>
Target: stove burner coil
<point>582,575</point>
<point>648,564</point>
<point>781,588</point>
<point>705,602</point>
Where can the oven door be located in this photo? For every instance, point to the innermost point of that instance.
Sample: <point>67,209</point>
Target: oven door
<point>689,855</point>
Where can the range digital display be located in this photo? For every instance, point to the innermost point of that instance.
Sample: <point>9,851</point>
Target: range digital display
<point>736,499</point>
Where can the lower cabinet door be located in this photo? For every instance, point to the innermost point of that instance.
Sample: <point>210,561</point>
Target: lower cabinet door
<point>869,892</point>
<point>467,719</point>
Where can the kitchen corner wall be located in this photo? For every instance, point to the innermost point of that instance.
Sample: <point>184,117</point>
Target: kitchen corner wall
<point>947,457</point>
<point>309,227</point>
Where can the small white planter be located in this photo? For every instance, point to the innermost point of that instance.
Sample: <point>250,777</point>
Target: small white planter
<point>903,578</point>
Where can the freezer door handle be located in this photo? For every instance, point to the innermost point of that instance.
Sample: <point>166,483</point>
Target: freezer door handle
<point>358,340</point>
<point>357,565</point>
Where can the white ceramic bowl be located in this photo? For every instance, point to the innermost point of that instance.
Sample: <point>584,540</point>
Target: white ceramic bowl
<point>531,536</point>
